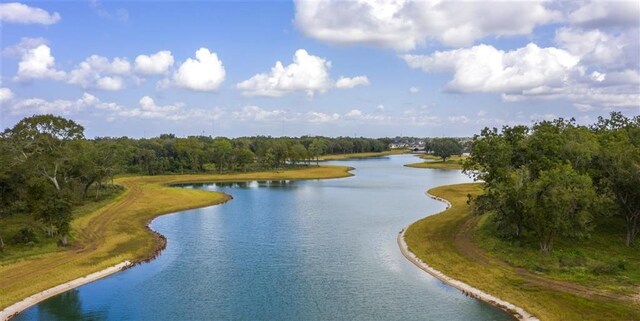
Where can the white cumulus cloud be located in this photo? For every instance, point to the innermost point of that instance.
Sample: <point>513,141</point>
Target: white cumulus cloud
<point>345,82</point>
<point>533,73</point>
<point>41,106</point>
<point>307,73</point>
<point>147,109</point>
<point>110,83</point>
<point>23,46</point>
<point>38,63</point>
<point>100,73</point>
<point>155,64</point>
<point>320,117</point>
<point>89,100</point>
<point>255,113</point>
<point>484,68</point>
<point>358,115</point>
<point>30,106</point>
<point>14,12</point>
<point>603,14</point>
<point>406,24</point>
<point>5,94</point>
<point>205,73</point>
<point>174,112</point>
<point>602,49</point>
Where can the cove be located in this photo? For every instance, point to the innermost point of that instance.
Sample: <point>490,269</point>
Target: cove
<point>286,250</point>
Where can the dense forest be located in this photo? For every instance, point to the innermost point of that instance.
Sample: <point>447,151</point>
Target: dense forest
<point>49,167</point>
<point>557,179</point>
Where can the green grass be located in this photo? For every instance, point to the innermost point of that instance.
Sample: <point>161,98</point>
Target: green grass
<point>334,157</point>
<point>454,162</point>
<point>117,231</point>
<point>447,241</point>
<point>600,261</point>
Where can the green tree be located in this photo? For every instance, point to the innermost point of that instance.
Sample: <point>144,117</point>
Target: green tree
<point>279,151</point>
<point>560,205</point>
<point>490,158</point>
<point>445,147</point>
<point>43,142</point>
<point>298,153</point>
<point>268,159</point>
<point>508,200</point>
<point>494,154</point>
<point>190,153</point>
<point>51,207</point>
<point>86,169</point>
<point>243,157</point>
<point>619,164</point>
<point>222,150</point>
<point>316,148</point>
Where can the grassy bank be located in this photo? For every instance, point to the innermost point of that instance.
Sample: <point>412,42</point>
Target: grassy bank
<point>362,155</point>
<point>117,231</point>
<point>449,242</point>
<point>454,162</point>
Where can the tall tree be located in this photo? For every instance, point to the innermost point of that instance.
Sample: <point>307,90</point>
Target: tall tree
<point>54,209</point>
<point>316,148</point>
<point>243,157</point>
<point>43,141</point>
<point>619,164</point>
<point>560,204</point>
<point>298,153</point>
<point>222,150</point>
<point>508,200</point>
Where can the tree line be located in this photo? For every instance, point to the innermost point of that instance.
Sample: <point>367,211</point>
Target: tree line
<point>49,167</point>
<point>557,179</point>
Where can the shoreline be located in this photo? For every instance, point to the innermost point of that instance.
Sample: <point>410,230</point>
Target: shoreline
<point>517,312</point>
<point>11,311</point>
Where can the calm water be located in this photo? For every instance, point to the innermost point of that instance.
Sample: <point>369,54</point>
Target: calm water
<point>305,250</point>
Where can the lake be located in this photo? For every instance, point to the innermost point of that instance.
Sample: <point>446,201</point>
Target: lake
<point>286,250</point>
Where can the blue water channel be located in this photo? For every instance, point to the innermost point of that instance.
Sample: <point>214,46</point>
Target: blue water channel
<point>286,250</point>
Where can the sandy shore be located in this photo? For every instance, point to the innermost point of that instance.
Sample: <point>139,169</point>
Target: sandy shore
<point>510,308</point>
<point>16,308</point>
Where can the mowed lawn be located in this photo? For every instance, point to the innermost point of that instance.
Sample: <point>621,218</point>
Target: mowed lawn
<point>118,231</point>
<point>453,162</point>
<point>446,241</point>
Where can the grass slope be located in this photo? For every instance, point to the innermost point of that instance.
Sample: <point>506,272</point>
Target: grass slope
<point>117,232</point>
<point>454,162</point>
<point>446,242</point>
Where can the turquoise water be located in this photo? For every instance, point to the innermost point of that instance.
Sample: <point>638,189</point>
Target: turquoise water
<point>286,250</point>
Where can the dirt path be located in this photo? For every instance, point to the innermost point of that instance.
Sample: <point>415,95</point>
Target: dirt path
<point>88,241</point>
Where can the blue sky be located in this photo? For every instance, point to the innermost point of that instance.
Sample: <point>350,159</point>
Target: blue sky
<point>370,68</point>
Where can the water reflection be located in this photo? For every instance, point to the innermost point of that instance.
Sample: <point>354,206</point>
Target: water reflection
<point>240,185</point>
<point>67,306</point>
